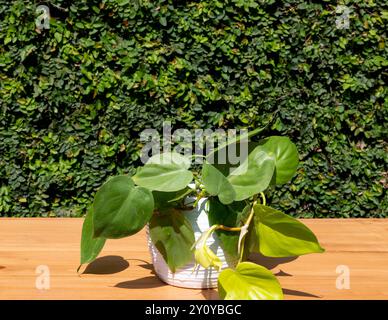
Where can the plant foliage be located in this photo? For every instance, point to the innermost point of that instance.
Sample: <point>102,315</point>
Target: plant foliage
<point>243,224</point>
<point>74,98</point>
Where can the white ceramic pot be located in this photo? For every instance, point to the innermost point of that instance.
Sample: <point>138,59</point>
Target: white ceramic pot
<point>185,277</point>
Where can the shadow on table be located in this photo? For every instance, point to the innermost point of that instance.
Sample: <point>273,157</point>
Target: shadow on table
<point>145,265</point>
<point>269,262</point>
<point>2,267</point>
<point>210,294</point>
<point>107,265</point>
<point>114,264</point>
<point>299,293</point>
<point>142,283</point>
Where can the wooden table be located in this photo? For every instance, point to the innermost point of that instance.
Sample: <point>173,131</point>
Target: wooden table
<point>29,246</point>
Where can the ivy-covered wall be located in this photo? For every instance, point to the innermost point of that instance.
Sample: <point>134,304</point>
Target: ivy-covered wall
<point>74,98</point>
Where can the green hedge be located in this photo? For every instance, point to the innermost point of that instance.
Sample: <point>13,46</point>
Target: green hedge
<point>74,98</point>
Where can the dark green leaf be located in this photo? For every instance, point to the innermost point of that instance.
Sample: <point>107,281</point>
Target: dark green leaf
<point>253,175</point>
<point>285,155</point>
<point>173,236</point>
<point>233,215</point>
<point>170,199</point>
<point>163,21</point>
<point>170,158</point>
<point>163,177</point>
<point>216,184</point>
<point>90,246</point>
<point>120,208</point>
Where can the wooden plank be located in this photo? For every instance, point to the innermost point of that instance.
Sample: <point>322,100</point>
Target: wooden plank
<point>124,270</point>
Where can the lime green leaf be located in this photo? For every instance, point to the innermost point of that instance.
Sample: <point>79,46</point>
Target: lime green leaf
<point>216,184</point>
<point>120,208</point>
<point>203,254</point>
<point>173,236</point>
<point>249,282</point>
<point>207,258</point>
<point>163,177</point>
<point>253,175</point>
<point>286,157</point>
<point>280,235</point>
<point>90,246</point>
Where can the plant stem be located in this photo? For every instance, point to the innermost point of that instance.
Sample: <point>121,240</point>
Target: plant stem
<point>197,180</point>
<point>248,222</point>
<point>252,211</point>
<point>250,215</point>
<point>263,198</point>
<point>246,225</point>
<point>221,227</point>
<point>199,197</point>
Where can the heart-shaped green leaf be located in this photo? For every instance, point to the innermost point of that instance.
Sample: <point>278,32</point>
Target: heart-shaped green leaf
<point>121,208</point>
<point>216,184</point>
<point>249,282</point>
<point>253,175</point>
<point>280,235</point>
<point>224,160</point>
<point>170,158</point>
<point>286,157</point>
<point>90,246</point>
<point>163,177</point>
<point>173,236</point>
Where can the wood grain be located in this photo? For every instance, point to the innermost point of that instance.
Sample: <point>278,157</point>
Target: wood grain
<point>124,270</point>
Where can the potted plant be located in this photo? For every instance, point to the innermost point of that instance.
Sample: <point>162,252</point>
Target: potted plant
<point>203,224</point>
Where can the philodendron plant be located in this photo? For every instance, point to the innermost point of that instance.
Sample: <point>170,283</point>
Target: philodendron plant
<point>237,211</point>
